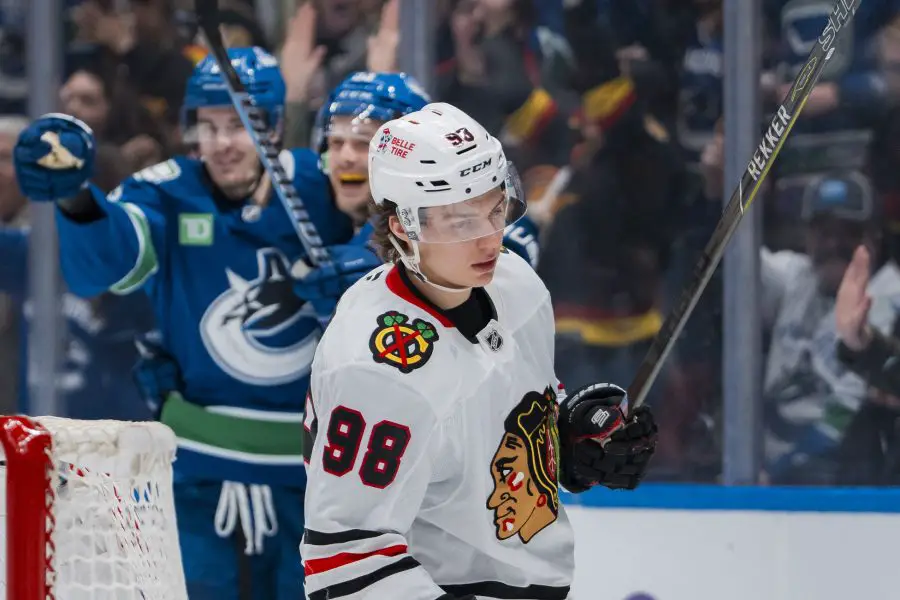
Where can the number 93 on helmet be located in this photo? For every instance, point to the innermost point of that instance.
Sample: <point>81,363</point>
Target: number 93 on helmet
<point>449,178</point>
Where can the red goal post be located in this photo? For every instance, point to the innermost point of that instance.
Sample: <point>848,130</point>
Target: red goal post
<point>88,511</point>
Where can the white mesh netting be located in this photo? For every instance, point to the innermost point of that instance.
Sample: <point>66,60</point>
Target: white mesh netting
<point>112,522</point>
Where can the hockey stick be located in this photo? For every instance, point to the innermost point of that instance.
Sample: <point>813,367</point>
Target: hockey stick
<point>254,122</point>
<point>741,198</point>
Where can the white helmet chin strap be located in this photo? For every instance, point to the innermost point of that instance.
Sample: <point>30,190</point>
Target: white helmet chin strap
<point>412,264</point>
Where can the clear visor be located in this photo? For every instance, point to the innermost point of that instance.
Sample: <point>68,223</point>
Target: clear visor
<point>209,132</point>
<point>347,128</point>
<point>475,218</point>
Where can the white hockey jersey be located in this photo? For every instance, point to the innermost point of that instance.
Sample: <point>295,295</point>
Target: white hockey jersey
<point>433,468</point>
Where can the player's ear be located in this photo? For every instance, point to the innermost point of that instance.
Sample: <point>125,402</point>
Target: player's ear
<point>397,229</point>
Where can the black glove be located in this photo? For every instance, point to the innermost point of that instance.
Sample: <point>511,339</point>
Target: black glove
<point>600,445</point>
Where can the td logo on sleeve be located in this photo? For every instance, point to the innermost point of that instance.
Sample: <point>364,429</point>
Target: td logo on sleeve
<point>195,229</point>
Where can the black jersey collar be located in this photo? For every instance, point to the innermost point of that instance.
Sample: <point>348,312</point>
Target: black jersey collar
<point>469,318</point>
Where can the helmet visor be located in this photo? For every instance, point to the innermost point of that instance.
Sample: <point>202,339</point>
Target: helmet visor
<point>214,124</point>
<point>471,219</point>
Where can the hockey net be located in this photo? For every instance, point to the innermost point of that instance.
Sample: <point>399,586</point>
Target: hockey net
<point>87,511</point>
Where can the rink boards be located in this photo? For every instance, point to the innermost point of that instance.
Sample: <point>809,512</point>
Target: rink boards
<point>667,542</point>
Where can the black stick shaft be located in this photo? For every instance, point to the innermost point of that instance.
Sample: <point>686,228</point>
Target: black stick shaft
<point>254,122</point>
<point>743,196</point>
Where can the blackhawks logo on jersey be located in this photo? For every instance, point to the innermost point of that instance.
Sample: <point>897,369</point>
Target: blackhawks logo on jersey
<point>525,498</point>
<point>402,344</point>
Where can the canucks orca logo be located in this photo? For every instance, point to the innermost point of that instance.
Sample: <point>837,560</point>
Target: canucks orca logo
<point>251,329</point>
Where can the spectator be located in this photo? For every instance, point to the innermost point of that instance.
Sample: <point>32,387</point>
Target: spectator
<point>870,451</point>
<point>606,250</point>
<point>884,169</point>
<point>491,70</point>
<point>13,82</point>
<point>855,88</point>
<point>868,352</point>
<point>110,108</point>
<point>12,214</point>
<point>239,27</point>
<point>809,396</point>
<point>701,77</point>
<point>653,39</point>
<point>690,443</point>
<point>144,49</point>
<point>301,60</point>
<point>342,31</point>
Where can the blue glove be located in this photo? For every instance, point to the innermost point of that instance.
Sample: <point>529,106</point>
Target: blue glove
<point>323,287</point>
<point>522,238</point>
<point>156,372</point>
<point>54,157</point>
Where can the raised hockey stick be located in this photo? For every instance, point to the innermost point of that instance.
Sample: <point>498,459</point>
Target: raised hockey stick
<point>254,122</point>
<point>743,196</point>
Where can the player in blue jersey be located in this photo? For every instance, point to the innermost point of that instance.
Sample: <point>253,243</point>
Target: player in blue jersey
<point>349,118</point>
<point>211,248</point>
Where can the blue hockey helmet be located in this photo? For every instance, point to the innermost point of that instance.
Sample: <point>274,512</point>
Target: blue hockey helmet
<point>258,71</point>
<point>369,96</point>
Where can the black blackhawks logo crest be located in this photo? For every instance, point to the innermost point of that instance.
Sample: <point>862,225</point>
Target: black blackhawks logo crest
<point>402,344</point>
<point>525,498</point>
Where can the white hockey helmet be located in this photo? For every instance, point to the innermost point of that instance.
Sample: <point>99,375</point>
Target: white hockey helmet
<point>434,164</point>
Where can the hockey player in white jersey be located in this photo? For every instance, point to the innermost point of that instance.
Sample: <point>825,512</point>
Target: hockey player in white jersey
<point>438,435</point>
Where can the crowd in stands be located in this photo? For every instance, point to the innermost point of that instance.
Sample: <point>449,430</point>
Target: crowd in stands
<point>612,111</point>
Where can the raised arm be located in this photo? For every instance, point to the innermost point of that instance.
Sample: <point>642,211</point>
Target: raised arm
<point>105,243</point>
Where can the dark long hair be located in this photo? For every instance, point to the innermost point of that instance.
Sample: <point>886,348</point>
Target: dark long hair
<point>381,238</point>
